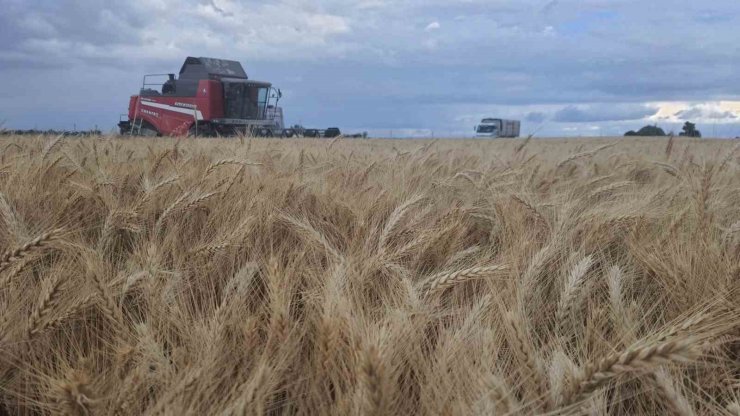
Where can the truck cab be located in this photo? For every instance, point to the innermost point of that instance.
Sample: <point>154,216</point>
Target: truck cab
<point>487,129</point>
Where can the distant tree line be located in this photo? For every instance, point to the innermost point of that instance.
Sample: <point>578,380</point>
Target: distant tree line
<point>35,132</point>
<point>688,130</point>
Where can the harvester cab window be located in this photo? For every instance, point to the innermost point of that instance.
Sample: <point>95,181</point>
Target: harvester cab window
<point>262,102</point>
<point>245,101</point>
<point>169,87</point>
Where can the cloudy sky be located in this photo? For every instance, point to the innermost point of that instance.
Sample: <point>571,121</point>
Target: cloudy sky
<point>413,67</point>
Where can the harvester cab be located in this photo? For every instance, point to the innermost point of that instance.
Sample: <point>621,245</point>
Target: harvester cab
<point>209,97</point>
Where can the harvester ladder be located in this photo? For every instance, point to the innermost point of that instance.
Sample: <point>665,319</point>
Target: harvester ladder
<point>136,127</point>
<point>137,121</point>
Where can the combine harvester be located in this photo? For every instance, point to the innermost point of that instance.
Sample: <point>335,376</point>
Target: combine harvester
<point>210,97</point>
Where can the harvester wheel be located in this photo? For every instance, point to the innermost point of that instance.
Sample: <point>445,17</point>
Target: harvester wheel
<point>192,132</point>
<point>203,130</point>
<point>149,132</point>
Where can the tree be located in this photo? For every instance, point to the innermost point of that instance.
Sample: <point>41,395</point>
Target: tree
<point>647,131</point>
<point>689,130</point>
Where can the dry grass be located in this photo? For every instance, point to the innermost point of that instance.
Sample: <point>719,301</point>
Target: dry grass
<point>369,277</point>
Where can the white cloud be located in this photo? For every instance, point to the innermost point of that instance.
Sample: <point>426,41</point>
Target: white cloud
<point>720,112</point>
<point>431,27</point>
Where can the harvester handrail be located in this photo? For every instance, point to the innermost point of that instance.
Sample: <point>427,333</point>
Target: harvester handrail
<point>145,84</point>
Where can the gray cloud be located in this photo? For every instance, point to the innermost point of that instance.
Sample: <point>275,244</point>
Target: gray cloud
<point>600,113</point>
<point>536,117</point>
<point>370,62</point>
<point>697,112</point>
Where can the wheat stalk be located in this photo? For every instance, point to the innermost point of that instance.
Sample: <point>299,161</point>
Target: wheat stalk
<point>523,144</point>
<point>158,162</point>
<point>729,157</point>
<point>51,146</point>
<point>330,295</point>
<point>232,181</point>
<point>669,147</point>
<point>148,194</point>
<point>310,234</point>
<point>531,369</point>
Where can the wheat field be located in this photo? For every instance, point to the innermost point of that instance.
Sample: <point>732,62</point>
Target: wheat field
<point>369,277</point>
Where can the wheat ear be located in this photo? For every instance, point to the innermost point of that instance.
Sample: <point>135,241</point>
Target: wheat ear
<point>569,298</point>
<point>609,188</point>
<point>10,217</point>
<point>675,400</point>
<point>500,394</point>
<point>197,201</point>
<point>151,192</point>
<point>19,253</point>
<point>42,310</point>
<point>224,162</point>
<point>63,316</point>
<point>531,208</point>
<point>166,213</point>
<point>443,281</point>
<point>598,374</point>
<point>371,375</point>
<point>108,305</point>
<point>395,218</point>
<point>74,394</point>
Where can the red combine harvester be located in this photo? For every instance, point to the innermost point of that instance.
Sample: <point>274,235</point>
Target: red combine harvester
<point>210,97</point>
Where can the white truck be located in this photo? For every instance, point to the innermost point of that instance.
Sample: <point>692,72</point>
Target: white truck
<point>496,127</point>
